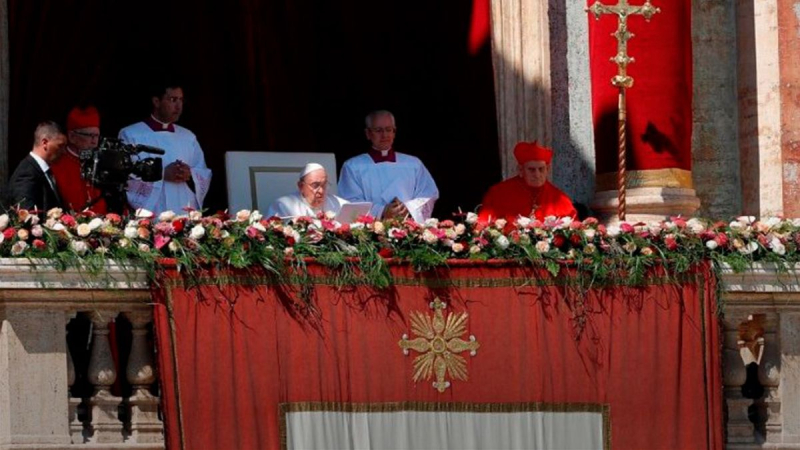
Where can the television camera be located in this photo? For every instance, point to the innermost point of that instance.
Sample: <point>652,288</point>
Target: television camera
<point>109,166</point>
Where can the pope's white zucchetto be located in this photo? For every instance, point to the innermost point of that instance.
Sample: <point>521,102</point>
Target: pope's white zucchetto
<point>310,167</point>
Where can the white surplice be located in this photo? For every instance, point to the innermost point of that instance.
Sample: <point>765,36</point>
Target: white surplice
<point>166,195</point>
<point>294,205</point>
<point>364,180</point>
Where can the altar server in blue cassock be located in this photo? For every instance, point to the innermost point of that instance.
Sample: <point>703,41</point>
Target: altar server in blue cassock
<point>398,185</point>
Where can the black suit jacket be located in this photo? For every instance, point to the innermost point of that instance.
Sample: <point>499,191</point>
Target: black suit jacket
<point>28,187</point>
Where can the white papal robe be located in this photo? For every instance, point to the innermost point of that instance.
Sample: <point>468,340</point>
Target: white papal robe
<point>167,195</point>
<point>294,205</point>
<point>364,180</point>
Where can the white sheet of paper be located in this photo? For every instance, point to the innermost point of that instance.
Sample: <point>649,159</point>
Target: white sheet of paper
<point>352,211</point>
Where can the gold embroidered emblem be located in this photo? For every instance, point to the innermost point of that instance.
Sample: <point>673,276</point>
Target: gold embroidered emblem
<point>439,344</point>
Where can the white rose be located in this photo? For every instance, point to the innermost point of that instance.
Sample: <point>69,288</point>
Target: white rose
<point>95,223</point>
<point>288,251</point>
<point>55,213</point>
<point>2,238</point>
<point>712,244</point>
<point>18,248</point>
<point>696,225</point>
<point>613,231</point>
<point>37,231</point>
<point>502,242</point>
<point>166,216</point>
<point>330,215</point>
<point>3,222</point>
<point>795,222</point>
<point>457,247</point>
<point>629,247</point>
<point>224,234</point>
<point>144,247</point>
<point>474,249</point>
<point>79,247</point>
<point>654,228</point>
<point>736,225</point>
<point>23,234</point>
<point>255,216</point>
<point>259,227</point>
<point>777,246</point>
<point>243,215</point>
<point>353,226</point>
<point>523,221</point>
<point>197,232</point>
<point>589,233</point>
<point>101,250</point>
<point>471,218</point>
<point>749,248</point>
<point>647,251</point>
<point>378,227</point>
<point>773,221</point>
<point>142,213</point>
<point>84,229</point>
<point>432,222</point>
<point>131,232</point>
<point>194,216</point>
<point>429,237</point>
<point>123,243</point>
<point>460,229</point>
<point>173,246</point>
<point>500,223</point>
<point>589,249</point>
<point>542,246</point>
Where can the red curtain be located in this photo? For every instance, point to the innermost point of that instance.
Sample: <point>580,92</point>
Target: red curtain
<point>230,354</point>
<point>281,76</point>
<point>660,102</point>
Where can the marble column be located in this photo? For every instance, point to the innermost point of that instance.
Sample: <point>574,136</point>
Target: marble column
<point>521,56</point>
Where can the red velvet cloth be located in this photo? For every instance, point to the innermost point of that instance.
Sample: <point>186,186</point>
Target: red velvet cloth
<point>75,192</point>
<point>651,354</point>
<point>660,102</point>
<point>512,197</point>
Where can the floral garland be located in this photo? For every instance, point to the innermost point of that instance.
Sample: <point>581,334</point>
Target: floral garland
<point>360,250</point>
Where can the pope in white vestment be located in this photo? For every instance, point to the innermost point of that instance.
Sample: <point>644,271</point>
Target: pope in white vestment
<point>312,196</point>
<point>383,175</point>
<point>180,144</point>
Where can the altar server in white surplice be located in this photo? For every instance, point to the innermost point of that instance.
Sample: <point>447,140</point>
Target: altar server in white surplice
<point>398,185</point>
<point>312,196</point>
<point>186,176</point>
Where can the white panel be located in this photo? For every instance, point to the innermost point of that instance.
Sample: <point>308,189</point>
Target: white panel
<point>309,430</point>
<point>256,179</point>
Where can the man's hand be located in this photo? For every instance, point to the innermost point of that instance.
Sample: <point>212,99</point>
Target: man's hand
<point>395,210</point>
<point>177,172</point>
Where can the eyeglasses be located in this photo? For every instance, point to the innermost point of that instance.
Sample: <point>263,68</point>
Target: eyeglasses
<point>317,185</point>
<point>387,130</point>
<point>87,135</point>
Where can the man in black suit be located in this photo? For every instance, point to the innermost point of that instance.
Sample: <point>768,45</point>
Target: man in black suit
<point>32,185</point>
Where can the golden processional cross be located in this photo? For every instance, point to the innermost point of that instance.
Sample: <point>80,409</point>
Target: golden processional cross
<point>622,80</point>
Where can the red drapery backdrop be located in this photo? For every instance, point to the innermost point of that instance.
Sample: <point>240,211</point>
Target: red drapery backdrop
<point>267,76</point>
<point>660,102</point>
<point>650,354</point>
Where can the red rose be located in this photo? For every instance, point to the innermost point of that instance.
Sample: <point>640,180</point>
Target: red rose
<point>722,239</point>
<point>68,221</point>
<point>446,224</point>
<point>178,225</point>
<point>626,227</point>
<point>671,243</point>
<point>9,233</point>
<point>575,239</point>
<point>386,252</point>
<point>39,244</point>
<point>144,223</point>
<point>559,241</point>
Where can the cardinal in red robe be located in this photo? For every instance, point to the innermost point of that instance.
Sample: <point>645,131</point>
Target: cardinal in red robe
<point>529,193</point>
<point>83,132</point>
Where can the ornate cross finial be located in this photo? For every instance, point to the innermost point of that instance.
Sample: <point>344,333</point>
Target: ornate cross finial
<point>622,80</point>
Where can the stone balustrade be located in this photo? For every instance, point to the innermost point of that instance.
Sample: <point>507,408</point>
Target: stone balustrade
<point>761,357</point>
<point>67,381</point>
<point>61,386</point>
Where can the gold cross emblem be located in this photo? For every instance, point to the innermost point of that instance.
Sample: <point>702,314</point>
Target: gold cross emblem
<point>439,343</point>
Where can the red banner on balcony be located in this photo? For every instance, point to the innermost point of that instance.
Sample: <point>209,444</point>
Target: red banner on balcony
<point>239,354</point>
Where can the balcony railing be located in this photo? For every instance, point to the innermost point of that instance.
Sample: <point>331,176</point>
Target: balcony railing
<point>77,370</point>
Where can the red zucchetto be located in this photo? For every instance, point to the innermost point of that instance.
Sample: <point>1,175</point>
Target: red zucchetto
<point>83,118</point>
<point>532,151</point>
